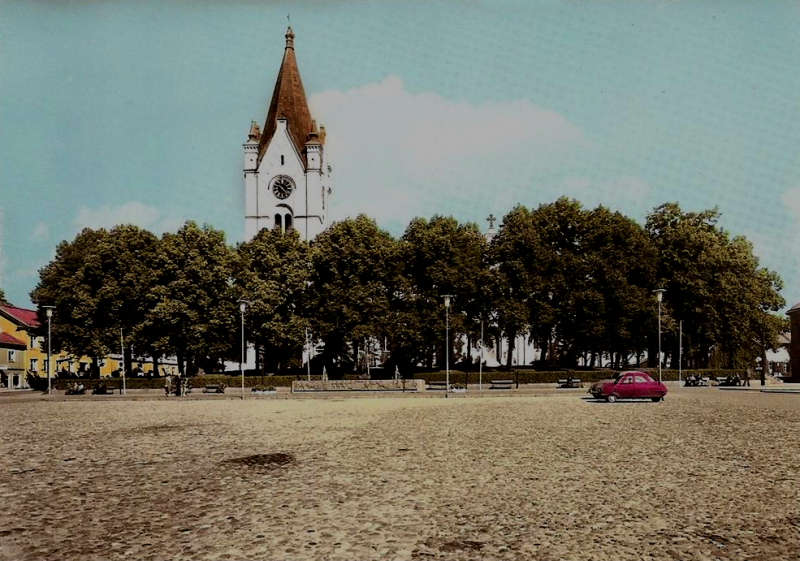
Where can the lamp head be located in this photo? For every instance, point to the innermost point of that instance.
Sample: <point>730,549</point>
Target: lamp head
<point>447,300</point>
<point>48,310</point>
<point>242,306</point>
<point>659,294</point>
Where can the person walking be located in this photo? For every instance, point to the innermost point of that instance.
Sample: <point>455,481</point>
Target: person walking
<point>747,377</point>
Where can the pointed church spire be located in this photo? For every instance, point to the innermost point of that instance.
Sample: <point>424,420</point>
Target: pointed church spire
<point>289,38</point>
<point>288,102</point>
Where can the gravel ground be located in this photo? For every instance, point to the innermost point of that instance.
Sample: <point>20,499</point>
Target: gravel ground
<point>708,474</point>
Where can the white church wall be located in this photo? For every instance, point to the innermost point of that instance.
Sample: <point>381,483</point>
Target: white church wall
<point>280,158</point>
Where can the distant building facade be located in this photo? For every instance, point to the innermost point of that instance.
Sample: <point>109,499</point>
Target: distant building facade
<point>20,347</point>
<point>286,175</point>
<point>24,352</point>
<point>794,343</point>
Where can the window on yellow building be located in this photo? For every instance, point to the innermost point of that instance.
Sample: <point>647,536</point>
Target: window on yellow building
<point>34,365</point>
<point>12,356</point>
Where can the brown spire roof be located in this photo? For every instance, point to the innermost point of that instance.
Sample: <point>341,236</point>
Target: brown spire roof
<point>289,101</point>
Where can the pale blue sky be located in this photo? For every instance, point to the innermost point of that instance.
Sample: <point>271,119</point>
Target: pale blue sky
<point>136,111</point>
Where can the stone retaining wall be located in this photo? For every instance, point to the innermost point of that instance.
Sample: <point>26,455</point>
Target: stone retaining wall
<point>299,386</point>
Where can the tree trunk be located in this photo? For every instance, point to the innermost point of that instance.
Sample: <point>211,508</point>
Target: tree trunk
<point>511,338</point>
<point>498,345</point>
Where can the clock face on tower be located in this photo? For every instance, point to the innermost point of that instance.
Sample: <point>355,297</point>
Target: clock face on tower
<point>282,187</point>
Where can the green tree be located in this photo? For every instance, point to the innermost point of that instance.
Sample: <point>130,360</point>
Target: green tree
<point>515,252</point>
<point>273,271</point>
<point>576,281</point>
<point>621,274</point>
<point>193,312</point>
<point>715,285</point>
<point>98,284</point>
<point>353,268</point>
<point>438,256</point>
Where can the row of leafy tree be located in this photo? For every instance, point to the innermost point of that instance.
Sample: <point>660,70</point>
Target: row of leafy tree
<point>576,282</point>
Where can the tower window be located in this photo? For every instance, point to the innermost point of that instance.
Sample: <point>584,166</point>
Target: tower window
<point>288,222</point>
<point>279,222</point>
<point>281,159</point>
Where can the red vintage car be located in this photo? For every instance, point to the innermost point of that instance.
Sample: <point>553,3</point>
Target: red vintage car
<point>629,385</point>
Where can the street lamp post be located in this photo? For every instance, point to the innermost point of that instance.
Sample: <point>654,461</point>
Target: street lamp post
<point>680,354</point>
<point>480,366</point>
<point>308,355</point>
<point>49,312</point>
<point>242,307</point>
<point>447,343</point>
<point>659,296</point>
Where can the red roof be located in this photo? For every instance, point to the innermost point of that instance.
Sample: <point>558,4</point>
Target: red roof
<point>27,318</point>
<point>7,340</point>
<point>288,101</point>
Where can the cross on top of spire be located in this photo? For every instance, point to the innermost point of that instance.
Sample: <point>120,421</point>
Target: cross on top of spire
<point>491,220</point>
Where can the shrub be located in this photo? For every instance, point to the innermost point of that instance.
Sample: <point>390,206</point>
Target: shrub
<point>527,376</point>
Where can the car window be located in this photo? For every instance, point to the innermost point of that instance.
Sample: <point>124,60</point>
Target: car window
<point>647,378</point>
<point>627,380</point>
<point>641,379</point>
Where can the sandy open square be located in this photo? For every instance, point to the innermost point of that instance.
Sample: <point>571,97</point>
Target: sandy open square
<point>708,474</point>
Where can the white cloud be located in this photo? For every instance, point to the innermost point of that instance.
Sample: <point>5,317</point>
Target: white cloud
<point>419,153</point>
<point>133,212</point>
<point>40,233</point>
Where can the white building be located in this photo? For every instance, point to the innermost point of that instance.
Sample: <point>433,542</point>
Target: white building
<point>287,179</point>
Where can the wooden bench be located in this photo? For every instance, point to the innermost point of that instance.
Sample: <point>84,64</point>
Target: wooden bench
<point>501,384</point>
<point>214,388</point>
<point>436,385</point>
<point>570,383</point>
<point>103,391</point>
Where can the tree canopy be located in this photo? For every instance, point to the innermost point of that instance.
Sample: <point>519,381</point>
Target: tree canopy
<point>576,282</point>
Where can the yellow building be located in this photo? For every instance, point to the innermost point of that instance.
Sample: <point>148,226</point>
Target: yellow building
<point>22,352</point>
<point>19,348</point>
<point>12,362</point>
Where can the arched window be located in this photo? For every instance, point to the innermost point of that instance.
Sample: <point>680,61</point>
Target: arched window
<point>288,222</point>
<point>279,222</point>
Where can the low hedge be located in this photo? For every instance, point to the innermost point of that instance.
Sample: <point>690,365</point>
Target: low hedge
<point>456,377</point>
<point>552,377</point>
<point>140,383</point>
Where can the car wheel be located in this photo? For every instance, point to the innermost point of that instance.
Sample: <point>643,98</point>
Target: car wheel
<point>611,398</point>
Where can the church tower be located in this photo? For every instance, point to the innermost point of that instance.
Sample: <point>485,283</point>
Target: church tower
<point>287,180</point>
